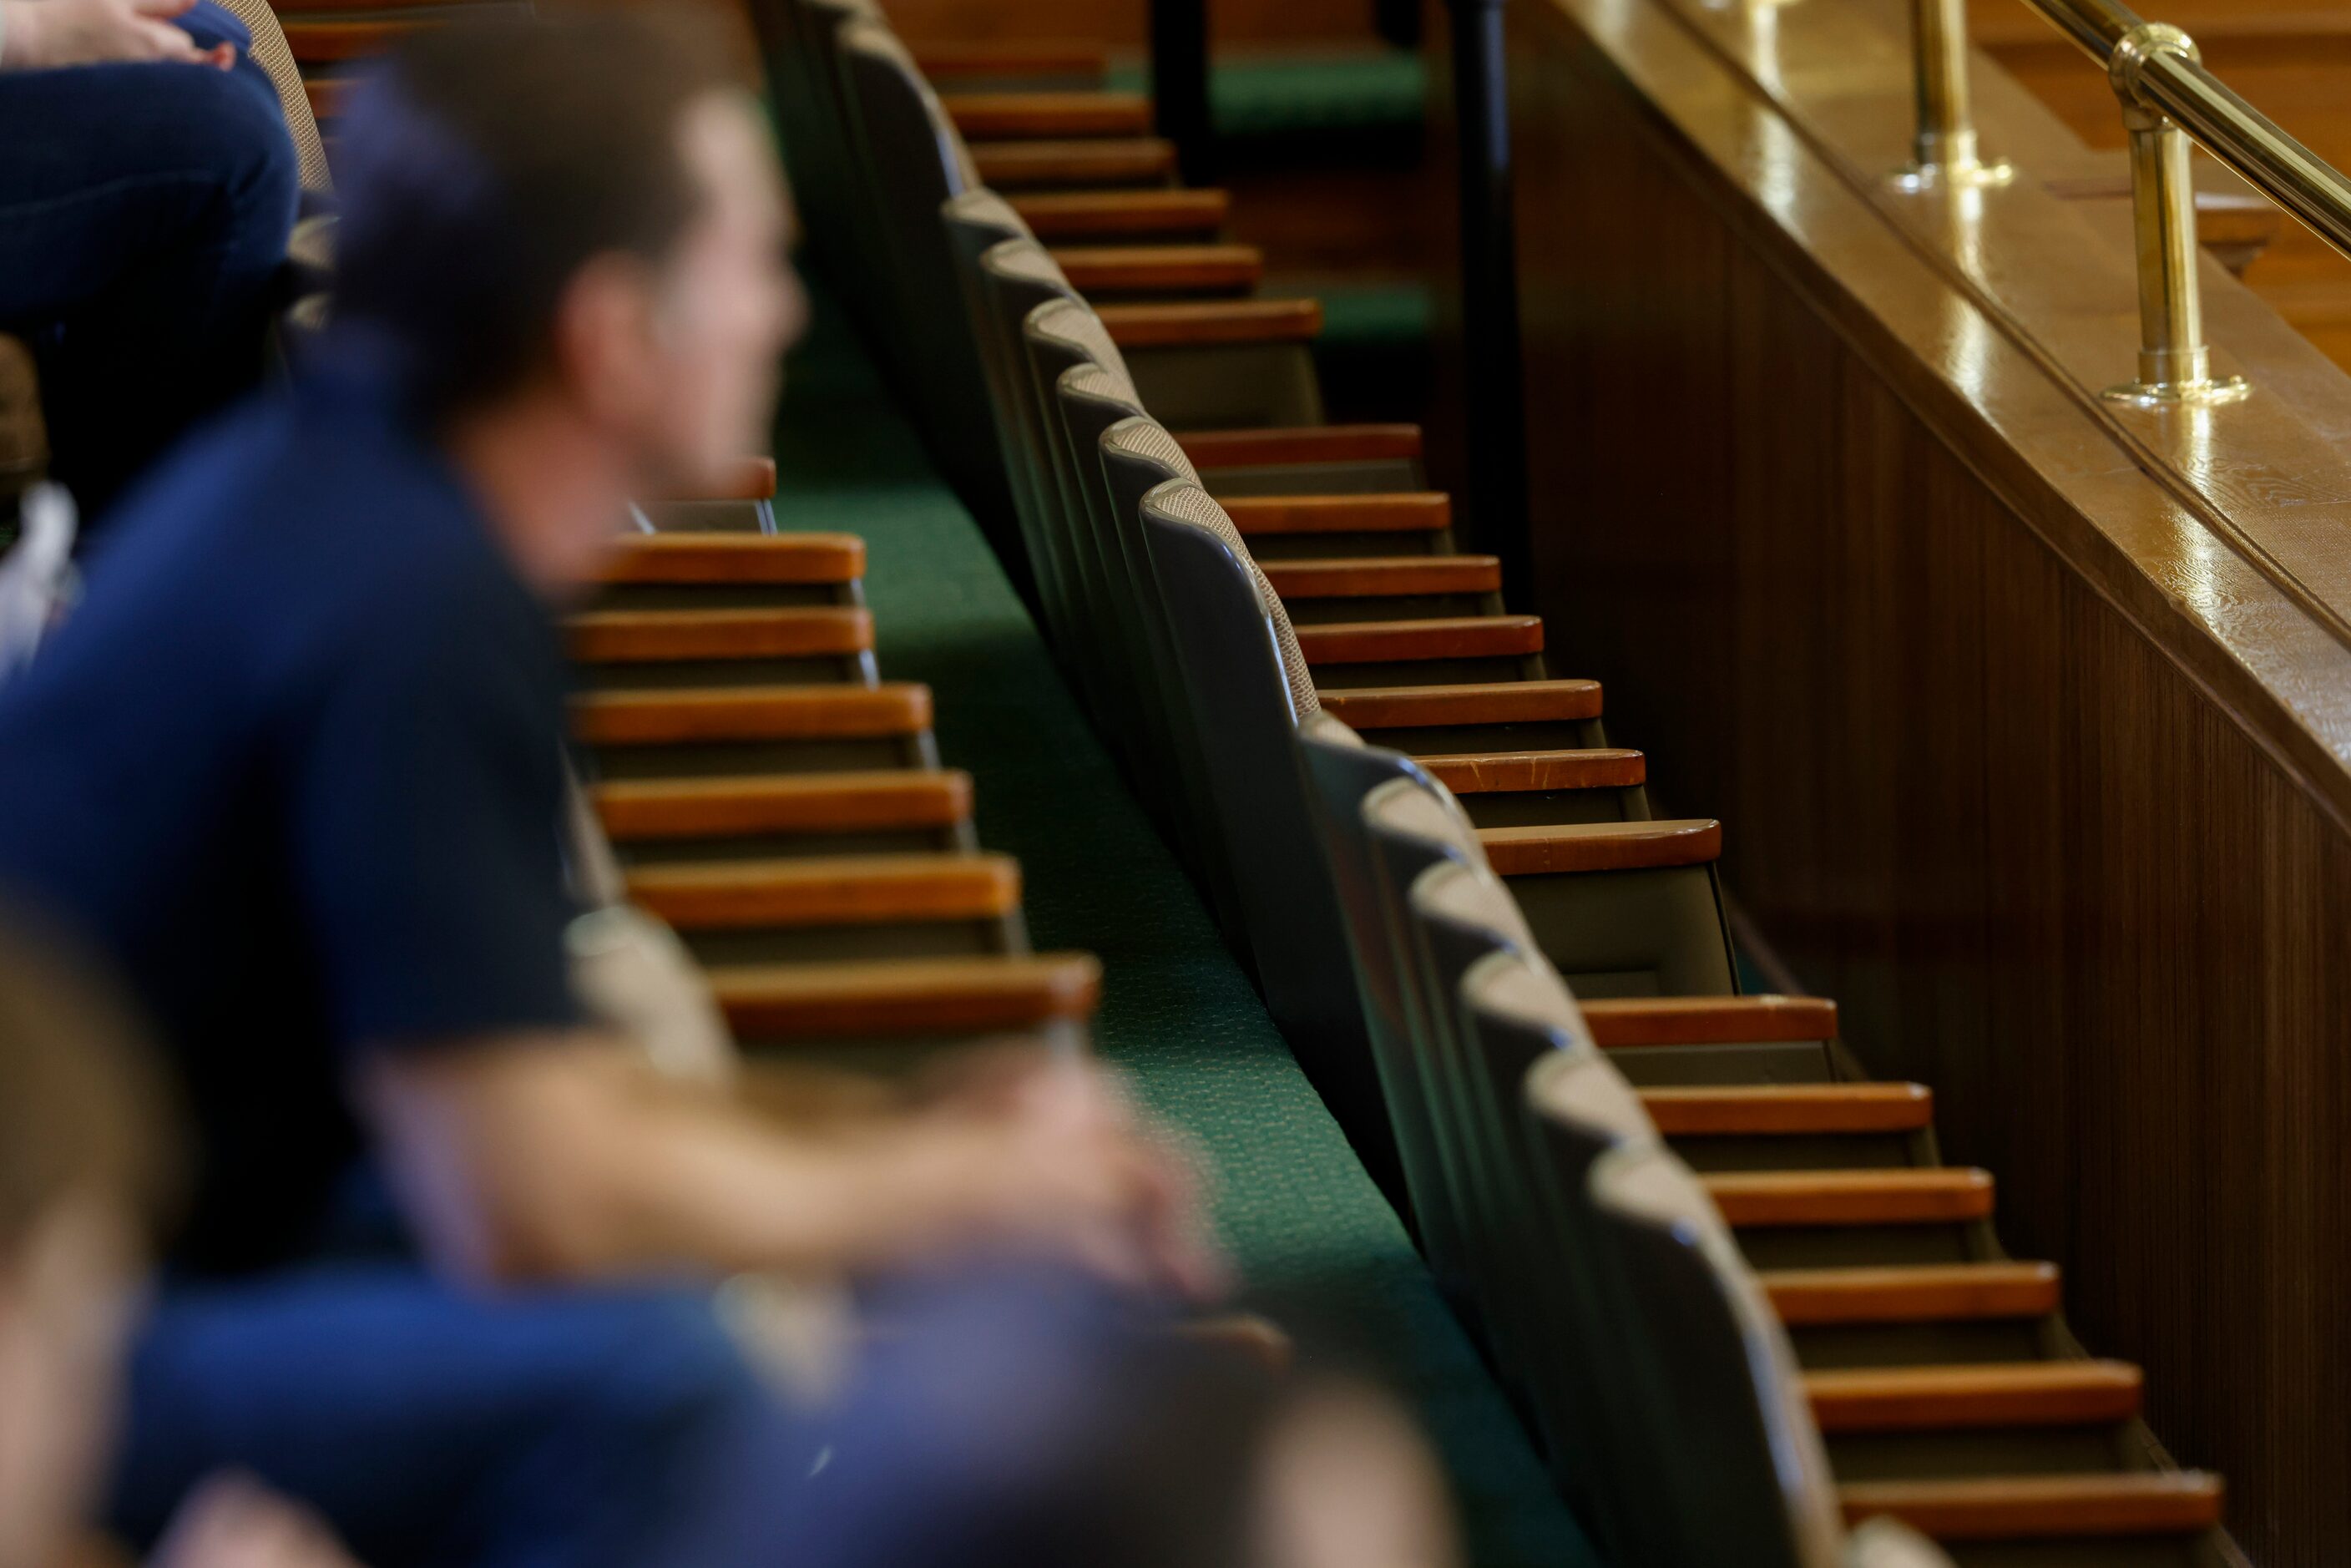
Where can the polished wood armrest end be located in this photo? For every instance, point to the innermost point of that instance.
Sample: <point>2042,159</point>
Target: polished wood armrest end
<point>1379,512</point>
<point>1624,1022</point>
<point>731,557</point>
<point>1209,323</point>
<point>740,714</point>
<point>1060,215</point>
<point>829,889</point>
<point>652,636</point>
<point>1002,116</point>
<point>1601,846</point>
<point>1300,445</point>
<point>916,996</point>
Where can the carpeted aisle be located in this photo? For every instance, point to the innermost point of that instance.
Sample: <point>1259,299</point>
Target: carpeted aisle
<point>1318,1247</point>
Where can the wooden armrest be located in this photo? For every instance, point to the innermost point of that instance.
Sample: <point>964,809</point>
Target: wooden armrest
<point>1300,444</point>
<point>1205,323</point>
<point>1106,214</point>
<point>649,636</point>
<point>680,558</point>
<point>1477,702</point>
<point>1512,772</point>
<point>1015,58</point>
<point>1445,637</point>
<point>2041,1508</point>
<point>1126,161</point>
<point>326,43</point>
<point>1383,577</point>
<point>752,479</point>
<point>906,995</point>
<point>1395,512</point>
<point>1619,1023</point>
<point>1162,268</point>
<point>784,803</point>
<point>1005,116</point>
<point>1939,1195</point>
<point>830,890</point>
<point>1776,1109</point>
<point>1994,1394</point>
<point>751,713</point>
<point>1600,846</point>
<point>1931,1292</point>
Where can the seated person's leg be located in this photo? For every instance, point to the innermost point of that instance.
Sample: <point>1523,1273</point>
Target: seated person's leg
<point>143,215</point>
<point>438,1427</point>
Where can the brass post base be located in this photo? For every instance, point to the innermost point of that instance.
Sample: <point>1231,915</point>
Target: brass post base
<point>1968,176</point>
<point>2207,394</point>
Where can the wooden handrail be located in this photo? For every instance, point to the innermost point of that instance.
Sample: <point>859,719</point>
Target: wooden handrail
<point>1393,512</point>
<point>771,559</point>
<point>1162,268</point>
<point>1476,702</point>
<point>751,714</point>
<point>1931,1292</point>
<point>1600,846</point>
<point>1629,1022</point>
<point>1135,159</point>
<point>1449,637</point>
<point>1741,1110</point>
<point>1300,444</point>
<point>2007,1394</point>
<point>783,803</point>
<point>1941,1194</point>
<point>830,890</point>
<point>1376,577</point>
<point>2037,1508</point>
<point>1210,323</point>
<point>906,995</point>
<point>1501,772</point>
<point>1108,214</point>
<point>1043,116</point>
<point>649,636</point>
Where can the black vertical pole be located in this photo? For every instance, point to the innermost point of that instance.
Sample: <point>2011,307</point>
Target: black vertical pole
<point>1179,85</point>
<point>1495,393</point>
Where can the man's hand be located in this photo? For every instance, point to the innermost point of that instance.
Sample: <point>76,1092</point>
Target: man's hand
<point>39,34</point>
<point>1051,1158</point>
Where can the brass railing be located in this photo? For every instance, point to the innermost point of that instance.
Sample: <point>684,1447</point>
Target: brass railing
<point>2168,99</point>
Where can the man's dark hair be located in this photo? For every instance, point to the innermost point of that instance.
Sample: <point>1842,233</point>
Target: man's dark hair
<point>485,164</point>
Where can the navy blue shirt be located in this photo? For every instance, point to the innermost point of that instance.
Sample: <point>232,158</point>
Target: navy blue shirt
<point>294,764</point>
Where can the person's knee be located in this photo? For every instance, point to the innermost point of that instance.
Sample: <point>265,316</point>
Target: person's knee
<point>236,134</point>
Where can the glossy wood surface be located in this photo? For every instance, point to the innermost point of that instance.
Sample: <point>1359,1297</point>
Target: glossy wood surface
<point>1947,1292</point>
<point>1000,115</point>
<point>1600,846</point>
<point>1120,214</point>
<point>752,479</point>
<point>770,713</point>
<point>1478,702</point>
<point>1395,512</point>
<point>1630,1022</point>
<point>1300,444</point>
<point>945,60</point>
<point>906,995</point>
<point>2042,1508</point>
<point>1160,269</point>
<point>1188,324</point>
<point>1452,637</point>
<point>1791,1108</point>
<point>2031,713</point>
<point>1925,1197</point>
<point>2006,1395</point>
<point>832,890</point>
<point>1496,772</point>
<point>334,41</point>
<point>1018,165</point>
<point>685,558</point>
<point>1374,577</point>
<point>771,803</point>
<point>634,636</point>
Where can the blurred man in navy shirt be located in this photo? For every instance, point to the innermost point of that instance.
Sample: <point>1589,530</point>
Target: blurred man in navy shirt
<point>295,766</point>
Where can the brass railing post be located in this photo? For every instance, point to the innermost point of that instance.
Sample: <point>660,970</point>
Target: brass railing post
<point>2174,365</point>
<point>1944,152</point>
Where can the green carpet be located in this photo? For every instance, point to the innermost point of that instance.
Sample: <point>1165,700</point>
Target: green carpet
<point>1318,1247</point>
<point>1318,93</point>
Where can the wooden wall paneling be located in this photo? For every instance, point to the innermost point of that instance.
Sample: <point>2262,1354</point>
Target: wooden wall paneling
<point>2042,867</point>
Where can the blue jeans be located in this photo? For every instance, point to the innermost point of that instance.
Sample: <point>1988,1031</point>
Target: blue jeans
<point>580,1429</point>
<point>144,210</point>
